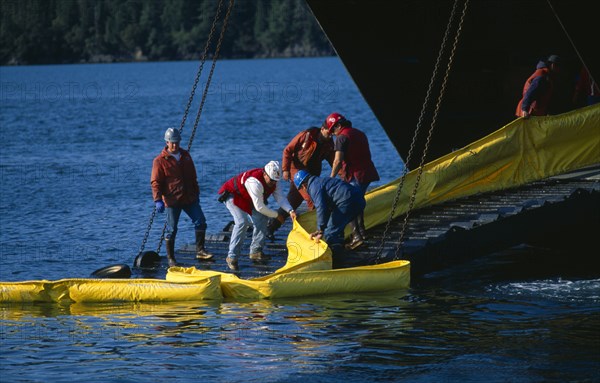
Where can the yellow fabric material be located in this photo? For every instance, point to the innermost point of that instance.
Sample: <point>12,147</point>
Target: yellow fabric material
<point>303,253</point>
<point>523,151</point>
<point>29,291</point>
<point>385,277</point>
<point>307,272</point>
<point>110,290</point>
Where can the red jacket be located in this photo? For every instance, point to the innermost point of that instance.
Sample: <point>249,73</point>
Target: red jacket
<point>305,152</point>
<point>539,104</point>
<point>241,197</point>
<point>357,158</point>
<point>173,181</point>
<point>585,88</point>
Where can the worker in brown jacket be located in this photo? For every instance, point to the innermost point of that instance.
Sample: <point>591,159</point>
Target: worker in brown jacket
<point>175,186</point>
<point>306,151</point>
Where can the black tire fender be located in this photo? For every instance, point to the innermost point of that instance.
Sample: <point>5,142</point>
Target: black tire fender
<point>113,271</point>
<point>147,260</point>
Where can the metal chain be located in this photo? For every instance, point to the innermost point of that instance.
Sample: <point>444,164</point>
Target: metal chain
<point>210,74</point>
<point>202,61</point>
<point>433,122</point>
<point>147,231</point>
<point>162,238</point>
<point>204,96</point>
<point>417,129</point>
<point>185,114</point>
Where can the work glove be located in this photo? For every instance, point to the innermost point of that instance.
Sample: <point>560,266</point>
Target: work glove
<point>160,206</point>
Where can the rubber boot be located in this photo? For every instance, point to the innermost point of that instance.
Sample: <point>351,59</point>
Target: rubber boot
<point>272,227</point>
<point>201,253</point>
<point>337,256</point>
<point>170,245</point>
<point>361,226</point>
<point>356,240</point>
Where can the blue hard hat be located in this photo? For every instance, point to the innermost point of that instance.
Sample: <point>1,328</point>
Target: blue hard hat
<point>300,177</point>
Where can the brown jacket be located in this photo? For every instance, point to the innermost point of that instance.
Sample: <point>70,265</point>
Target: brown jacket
<point>305,152</point>
<point>173,181</point>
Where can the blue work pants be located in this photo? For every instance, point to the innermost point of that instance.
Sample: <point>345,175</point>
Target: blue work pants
<point>242,221</point>
<point>341,215</point>
<point>193,210</point>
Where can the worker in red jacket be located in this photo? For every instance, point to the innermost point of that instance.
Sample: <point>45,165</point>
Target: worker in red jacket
<point>538,89</point>
<point>587,91</point>
<point>306,151</point>
<point>245,197</point>
<point>175,188</point>
<point>353,162</point>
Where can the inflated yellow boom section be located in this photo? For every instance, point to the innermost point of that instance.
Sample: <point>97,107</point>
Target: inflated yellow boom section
<point>307,272</point>
<point>385,277</point>
<point>83,290</point>
<point>521,152</point>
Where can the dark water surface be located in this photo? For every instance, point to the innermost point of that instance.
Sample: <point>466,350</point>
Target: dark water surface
<point>75,166</point>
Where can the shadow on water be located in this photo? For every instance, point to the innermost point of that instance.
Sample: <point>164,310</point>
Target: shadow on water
<point>520,263</point>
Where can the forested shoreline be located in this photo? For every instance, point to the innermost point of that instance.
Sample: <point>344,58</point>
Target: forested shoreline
<point>88,31</point>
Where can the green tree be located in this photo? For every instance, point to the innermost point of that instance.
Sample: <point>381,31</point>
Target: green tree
<point>55,31</point>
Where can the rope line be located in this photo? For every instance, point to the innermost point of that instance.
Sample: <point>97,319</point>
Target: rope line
<point>572,42</point>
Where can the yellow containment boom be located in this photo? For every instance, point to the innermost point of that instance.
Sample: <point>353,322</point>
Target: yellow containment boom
<point>84,290</point>
<point>307,272</point>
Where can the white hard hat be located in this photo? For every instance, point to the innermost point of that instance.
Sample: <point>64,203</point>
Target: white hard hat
<point>273,171</point>
<point>172,135</point>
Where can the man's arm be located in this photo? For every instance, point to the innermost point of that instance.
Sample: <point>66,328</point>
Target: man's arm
<point>156,180</point>
<point>256,191</point>
<point>337,163</point>
<point>318,197</point>
<point>536,87</point>
<point>281,199</point>
<point>288,153</point>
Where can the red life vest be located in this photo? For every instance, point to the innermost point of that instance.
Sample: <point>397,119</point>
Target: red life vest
<point>241,197</point>
<point>357,158</point>
<point>539,107</point>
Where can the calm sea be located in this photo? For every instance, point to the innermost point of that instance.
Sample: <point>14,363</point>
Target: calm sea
<point>78,144</point>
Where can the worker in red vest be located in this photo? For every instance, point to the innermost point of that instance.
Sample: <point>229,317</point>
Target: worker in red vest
<point>245,196</point>
<point>539,88</point>
<point>353,162</point>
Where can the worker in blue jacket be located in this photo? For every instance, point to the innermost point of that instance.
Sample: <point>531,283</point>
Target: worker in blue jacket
<point>337,203</point>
